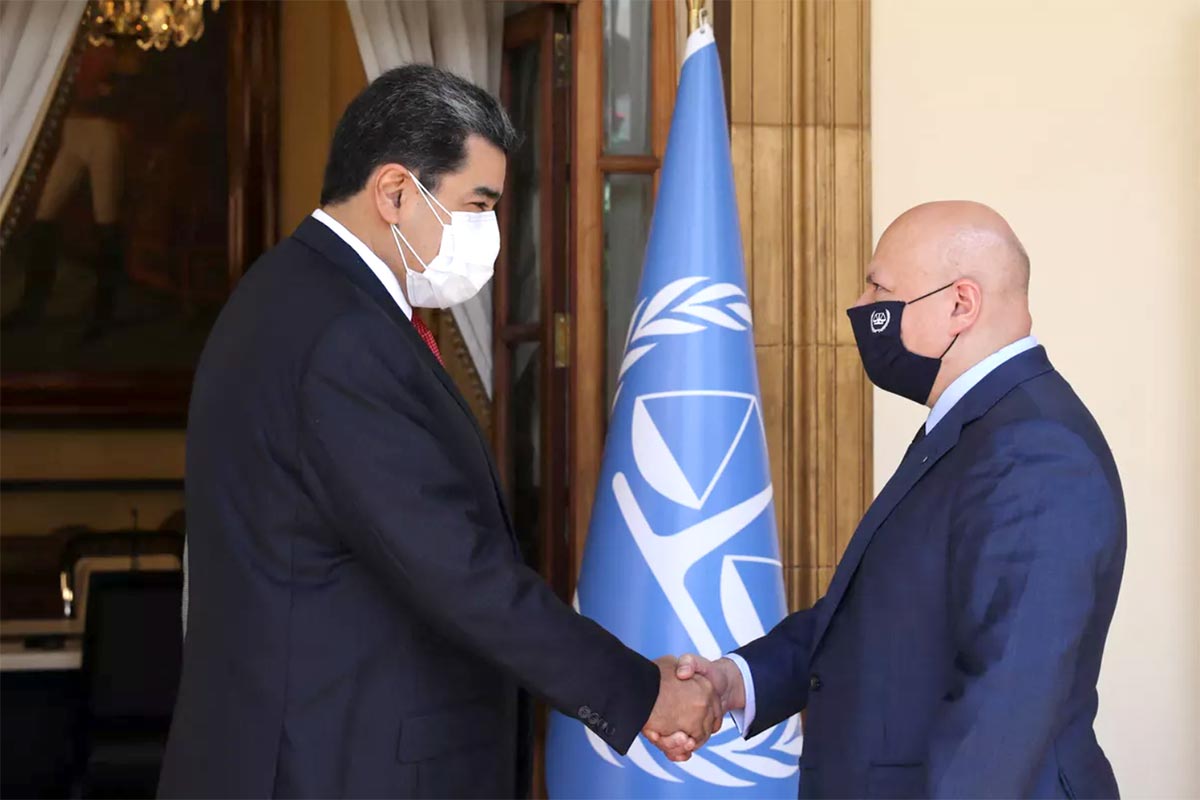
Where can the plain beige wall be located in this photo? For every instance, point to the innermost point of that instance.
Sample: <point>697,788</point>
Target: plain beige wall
<point>1079,122</point>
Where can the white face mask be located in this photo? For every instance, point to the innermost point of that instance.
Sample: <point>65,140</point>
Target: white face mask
<point>464,262</point>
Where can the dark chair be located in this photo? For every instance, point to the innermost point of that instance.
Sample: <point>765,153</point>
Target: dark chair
<point>131,662</point>
<point>112,551</point>
<point>30,566</point>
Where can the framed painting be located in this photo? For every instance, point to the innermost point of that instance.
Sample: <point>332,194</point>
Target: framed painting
<point>150,188</point>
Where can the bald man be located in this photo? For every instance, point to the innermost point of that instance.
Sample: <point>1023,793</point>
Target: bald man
<point>957,650</point>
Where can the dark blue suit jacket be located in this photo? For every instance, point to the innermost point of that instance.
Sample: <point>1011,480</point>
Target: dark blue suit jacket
<point>360,616</point>
<point>957,650</point>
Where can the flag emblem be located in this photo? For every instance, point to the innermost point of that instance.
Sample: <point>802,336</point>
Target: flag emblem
<point>682,553</point>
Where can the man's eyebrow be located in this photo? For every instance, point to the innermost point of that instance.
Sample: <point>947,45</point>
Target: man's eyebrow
<point>488,192</point>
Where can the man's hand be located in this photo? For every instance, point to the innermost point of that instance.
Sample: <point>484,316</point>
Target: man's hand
<point>723,674</point>
<point>689,708</point>
<point>726,680</point>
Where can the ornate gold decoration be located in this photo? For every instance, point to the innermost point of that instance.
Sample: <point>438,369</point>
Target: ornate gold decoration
<point>462,368</point>
<point>150,23</point>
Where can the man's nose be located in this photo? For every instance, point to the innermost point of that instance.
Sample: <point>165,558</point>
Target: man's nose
<point>864,298</point>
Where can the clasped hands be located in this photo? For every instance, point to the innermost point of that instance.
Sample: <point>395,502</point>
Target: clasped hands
<point>693,697</point>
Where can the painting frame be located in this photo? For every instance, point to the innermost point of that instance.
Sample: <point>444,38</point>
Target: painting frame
<point>102,399</point>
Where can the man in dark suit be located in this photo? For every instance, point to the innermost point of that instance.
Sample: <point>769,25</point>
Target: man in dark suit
<point>359,617</point>
<point>957,650</point>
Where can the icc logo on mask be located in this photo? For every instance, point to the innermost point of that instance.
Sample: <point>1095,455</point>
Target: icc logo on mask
<point>880,320</point>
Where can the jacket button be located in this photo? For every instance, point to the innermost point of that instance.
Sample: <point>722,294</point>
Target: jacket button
<point>814,683</point>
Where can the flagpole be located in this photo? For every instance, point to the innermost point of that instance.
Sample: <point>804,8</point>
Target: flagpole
<point>697,15</point>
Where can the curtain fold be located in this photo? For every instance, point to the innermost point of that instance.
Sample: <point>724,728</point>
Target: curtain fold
<point>465,37</point>
<point>35,40</point>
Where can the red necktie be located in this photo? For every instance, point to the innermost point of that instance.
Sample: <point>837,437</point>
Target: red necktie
<point>427,337</point>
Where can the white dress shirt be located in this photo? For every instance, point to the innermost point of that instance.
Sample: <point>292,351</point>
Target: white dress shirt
<point>964,383</point>
<point>381,270</point>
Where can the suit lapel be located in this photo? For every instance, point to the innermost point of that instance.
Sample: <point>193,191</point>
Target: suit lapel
<point>318,236</point>
<point>920,458</point>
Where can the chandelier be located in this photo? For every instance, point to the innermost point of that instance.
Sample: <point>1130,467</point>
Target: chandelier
<point>150,23</point>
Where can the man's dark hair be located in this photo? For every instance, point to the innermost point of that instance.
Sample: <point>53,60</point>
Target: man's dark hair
<point>417,115</point>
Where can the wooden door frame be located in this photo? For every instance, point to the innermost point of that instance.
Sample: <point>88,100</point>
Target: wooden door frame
<point>589,166</point>
<point>544,26</point>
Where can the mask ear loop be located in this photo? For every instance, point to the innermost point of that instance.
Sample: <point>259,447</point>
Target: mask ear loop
<point>931,294</point>
<point>398,236</point>
<point>427,196</point>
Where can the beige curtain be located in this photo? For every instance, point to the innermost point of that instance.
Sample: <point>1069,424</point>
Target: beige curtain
<point>465,37</point>
<point>35,40</point>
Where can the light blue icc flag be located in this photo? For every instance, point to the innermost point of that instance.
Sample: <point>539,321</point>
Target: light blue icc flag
<point>682,554</point>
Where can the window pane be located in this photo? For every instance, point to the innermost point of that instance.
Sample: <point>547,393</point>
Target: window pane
<point>526,451</point>
<point>524,217</point>
<point>628,205</point>
<point>627,76</point>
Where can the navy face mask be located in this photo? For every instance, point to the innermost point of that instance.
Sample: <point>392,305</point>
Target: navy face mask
<point>889,364</point>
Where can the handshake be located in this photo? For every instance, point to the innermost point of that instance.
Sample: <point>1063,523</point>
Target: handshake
<point>694,696</point>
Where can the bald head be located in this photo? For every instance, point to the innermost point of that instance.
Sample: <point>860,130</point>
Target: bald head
<point>951,239</point>
<point>969,256</point>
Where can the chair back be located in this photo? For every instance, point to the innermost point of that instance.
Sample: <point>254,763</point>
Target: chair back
<point>132,647</point>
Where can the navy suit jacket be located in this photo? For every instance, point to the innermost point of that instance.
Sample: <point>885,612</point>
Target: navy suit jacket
<point>957,650</point>
<point>360,616</point>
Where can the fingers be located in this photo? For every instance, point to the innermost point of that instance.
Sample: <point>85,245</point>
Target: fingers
<point>700,715</point>
<point>689,704</point>
<point>679,746</point>
<point>708,707</point>
<point>676,747</point>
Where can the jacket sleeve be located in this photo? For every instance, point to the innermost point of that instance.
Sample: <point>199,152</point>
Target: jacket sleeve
<point>404,506</point>
<point>779,664</point>
<point>1036,524</point>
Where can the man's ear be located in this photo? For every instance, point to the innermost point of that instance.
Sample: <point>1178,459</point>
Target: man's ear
<point>391,187</point>
<point>968,303</point>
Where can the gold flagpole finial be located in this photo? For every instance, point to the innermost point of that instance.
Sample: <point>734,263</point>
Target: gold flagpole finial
<point>697,14</point>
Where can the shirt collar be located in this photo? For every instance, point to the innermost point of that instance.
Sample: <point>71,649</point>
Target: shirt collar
<point>374,262</point>
<point>968,380</point>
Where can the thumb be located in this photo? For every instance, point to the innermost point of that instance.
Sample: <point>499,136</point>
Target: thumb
<point>688,666</point>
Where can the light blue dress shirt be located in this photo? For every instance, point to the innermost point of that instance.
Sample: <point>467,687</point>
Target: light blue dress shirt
<point>964,383</point>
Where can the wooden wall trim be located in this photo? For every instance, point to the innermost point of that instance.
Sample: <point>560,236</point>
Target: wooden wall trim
<point>800,131</point>
<point>588,412</point>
